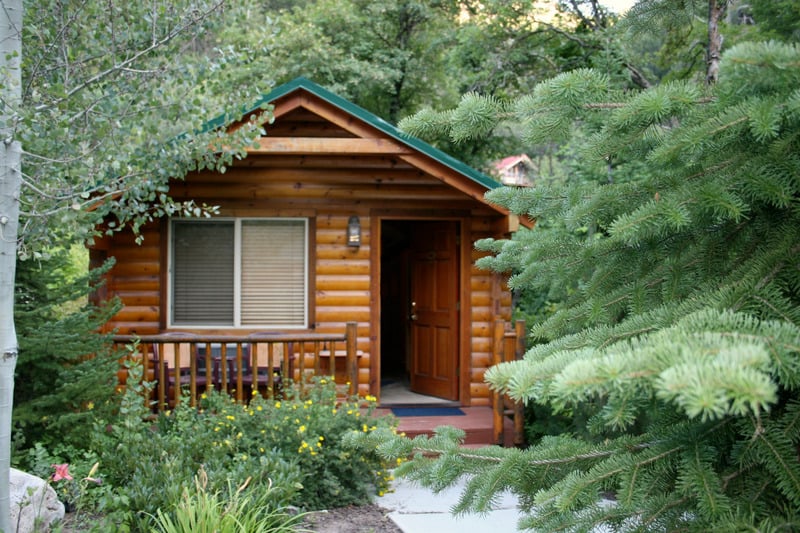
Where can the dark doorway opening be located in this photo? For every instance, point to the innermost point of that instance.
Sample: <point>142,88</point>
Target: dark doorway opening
<point>419,311</point>
<point>395,294</point>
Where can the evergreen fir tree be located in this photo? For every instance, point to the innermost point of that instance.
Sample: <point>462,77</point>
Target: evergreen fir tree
<point>60,389</point>
<point>679,334</point>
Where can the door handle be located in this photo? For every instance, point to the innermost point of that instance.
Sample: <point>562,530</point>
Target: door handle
<point>413,315</point>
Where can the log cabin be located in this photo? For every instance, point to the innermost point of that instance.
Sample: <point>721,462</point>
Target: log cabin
<point>334,217</point>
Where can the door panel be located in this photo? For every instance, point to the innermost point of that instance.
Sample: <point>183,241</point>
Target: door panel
<point>434,312</point>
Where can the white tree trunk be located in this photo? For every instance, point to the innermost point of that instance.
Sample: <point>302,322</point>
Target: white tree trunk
<point>716,8</point>
<point>10,181</point>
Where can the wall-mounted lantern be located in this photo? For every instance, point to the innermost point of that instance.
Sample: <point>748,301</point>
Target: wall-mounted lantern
<point>354,232</point>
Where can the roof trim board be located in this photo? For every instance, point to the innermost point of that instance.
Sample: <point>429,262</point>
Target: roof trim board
<point>362,114</point>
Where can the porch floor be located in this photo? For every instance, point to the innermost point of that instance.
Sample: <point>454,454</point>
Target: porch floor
<point>476,423</point>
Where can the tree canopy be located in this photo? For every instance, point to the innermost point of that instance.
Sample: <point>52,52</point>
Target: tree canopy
<point>677,331</point>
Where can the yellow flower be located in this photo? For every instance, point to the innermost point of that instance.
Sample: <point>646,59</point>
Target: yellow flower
<point>370,398</point>
<point>230,417</point>
<point>203,396</point>
<point>259,408</point>
<point>277,405</point>
<point>90,406</point>
<point>301,429</point>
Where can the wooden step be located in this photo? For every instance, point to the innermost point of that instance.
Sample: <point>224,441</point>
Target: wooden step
<point>476,423</point>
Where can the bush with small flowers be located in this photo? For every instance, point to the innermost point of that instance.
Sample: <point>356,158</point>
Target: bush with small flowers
<point>151,462</point>
<point>294,446</point>
<point>306,428</point>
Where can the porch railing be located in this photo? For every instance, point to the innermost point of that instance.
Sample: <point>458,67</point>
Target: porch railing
<point>509,345</point>
<point>257,363</point>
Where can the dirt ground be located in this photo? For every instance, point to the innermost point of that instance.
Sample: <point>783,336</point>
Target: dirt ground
<point>354,519</point>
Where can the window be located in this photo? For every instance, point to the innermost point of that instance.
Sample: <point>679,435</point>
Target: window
<point>239,272</point>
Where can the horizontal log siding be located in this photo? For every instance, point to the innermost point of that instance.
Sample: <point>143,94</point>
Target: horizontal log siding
<point>134,279</point>
<point>348,299</point>
<point>486,304</point>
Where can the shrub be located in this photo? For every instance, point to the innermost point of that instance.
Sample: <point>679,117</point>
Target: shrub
<point>305,428</point>
<point>151,462</point>
<point>290,450</point>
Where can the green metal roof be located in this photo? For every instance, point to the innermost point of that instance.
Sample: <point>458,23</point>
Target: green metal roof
<point>369,118</point>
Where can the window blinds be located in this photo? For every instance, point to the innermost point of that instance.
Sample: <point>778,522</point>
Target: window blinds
<point>272,285</point>
<point>202,278</point>
<point>273,272</point>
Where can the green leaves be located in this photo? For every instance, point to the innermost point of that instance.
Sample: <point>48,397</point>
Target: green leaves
<point>104,100</point>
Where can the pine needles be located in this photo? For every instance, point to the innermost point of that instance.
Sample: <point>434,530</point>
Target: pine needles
<point>677,326</point>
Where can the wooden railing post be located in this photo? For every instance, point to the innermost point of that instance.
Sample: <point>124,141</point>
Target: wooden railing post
<point>507,346</point>
<point>519,408</point>
<point>351,342</point>
<point>497,398</point>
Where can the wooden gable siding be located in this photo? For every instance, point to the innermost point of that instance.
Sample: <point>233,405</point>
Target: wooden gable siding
<point>306,168</point>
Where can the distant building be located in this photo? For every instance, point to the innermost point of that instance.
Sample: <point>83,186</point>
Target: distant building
<point>514,170</point>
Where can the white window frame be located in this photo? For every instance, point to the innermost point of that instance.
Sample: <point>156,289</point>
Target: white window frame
<point>237,275</point>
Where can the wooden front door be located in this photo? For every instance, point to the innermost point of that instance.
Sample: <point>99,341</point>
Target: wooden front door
<point>434,309</point>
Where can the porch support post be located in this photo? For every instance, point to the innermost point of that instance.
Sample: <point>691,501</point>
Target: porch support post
<point>519,408</point>
<point>351,341</point>
<point>497,397</point>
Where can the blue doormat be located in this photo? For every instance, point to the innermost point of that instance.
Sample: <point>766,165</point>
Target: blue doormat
<point>427,411</point>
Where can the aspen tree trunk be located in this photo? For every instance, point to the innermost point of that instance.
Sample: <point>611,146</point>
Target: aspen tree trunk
<point>10,181</point>
<point>716,9</point>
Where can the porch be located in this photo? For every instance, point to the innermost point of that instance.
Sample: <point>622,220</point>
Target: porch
<point>185,365</point>
<point>181,364</point>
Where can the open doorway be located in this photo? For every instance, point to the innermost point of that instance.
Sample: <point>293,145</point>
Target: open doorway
<point>419,311</point>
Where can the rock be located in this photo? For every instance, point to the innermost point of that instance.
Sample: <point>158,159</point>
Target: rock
<point>32,498</point>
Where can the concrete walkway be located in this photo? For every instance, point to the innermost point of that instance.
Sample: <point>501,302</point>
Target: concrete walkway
<point>418,510</point>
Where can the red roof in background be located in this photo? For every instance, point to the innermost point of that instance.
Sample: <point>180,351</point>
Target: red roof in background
<point>510,161</point>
